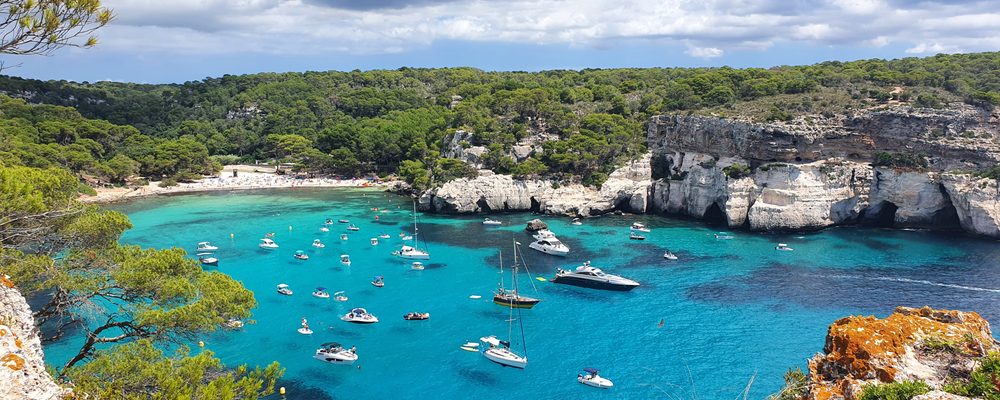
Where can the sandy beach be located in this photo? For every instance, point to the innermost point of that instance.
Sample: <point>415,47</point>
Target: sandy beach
<point>248,178</point>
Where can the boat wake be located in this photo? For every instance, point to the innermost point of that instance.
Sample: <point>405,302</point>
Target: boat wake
<point>908,280</point>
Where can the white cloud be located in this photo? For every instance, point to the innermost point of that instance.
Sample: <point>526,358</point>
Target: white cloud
<point>384,26</point>
<point>704,52</point>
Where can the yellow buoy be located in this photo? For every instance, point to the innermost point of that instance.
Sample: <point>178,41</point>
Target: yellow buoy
<point>281,390</point>
<point>201,343</point>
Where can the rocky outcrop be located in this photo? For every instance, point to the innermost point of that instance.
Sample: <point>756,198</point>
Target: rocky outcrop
<point>626,189</point>
<point>977,203</point>
<point>922,344</point>
<point>536,225</point>
<point>22,363</point>
<point>911,199</point>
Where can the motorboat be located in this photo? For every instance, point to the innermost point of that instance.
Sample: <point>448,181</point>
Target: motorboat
<point>544,234</point>
<point>412,253</point>
<point>406,237</point>
<point>783,247</point>
<point>591,378</point>
<point>343,236</point>
<point>283,289</point>
<point>723,236</point>
<point>417,265</point>
<point>321,293</point>
<point>343,221</point>
<point>324,229</point>
<point>353,227</point>
<point>638,226</point>
<point>668,255</point>
<point>267,244</point>
<point>500,353</point>
<point>576,221</point>
<point>374,241</point>
<point>207,259</point>
<point>384,236</point>
<point>339,296</point>
<point>470,346</point>
<point>335,353</point>
<point>328,222</point>
<point>416,316</point>
<point>635,236</point>
<point>301,255</point>
<point>359,316</point>
<point>305,328</point>
<point>378,281</point>
<point>206,246</point>
<point>345,259</point>
<point>550,246</point>
<point>488,221</point>
<point>318,244</point>
<point>592,277</point>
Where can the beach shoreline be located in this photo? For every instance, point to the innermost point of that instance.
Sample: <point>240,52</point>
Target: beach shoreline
<point>245,180</point>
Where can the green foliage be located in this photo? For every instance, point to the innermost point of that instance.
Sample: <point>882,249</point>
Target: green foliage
<point>415,173</point>
<point>530,167</point>
<point>940,344</point>
<point>795,386</point>
<point>928,100</point>
<point>448,169</point>
<point>991,173</point>
<point>737,171</point>
<point>900,160</point>
<point>982,382</point>
<point>894,391</point>
<point>139,370</point>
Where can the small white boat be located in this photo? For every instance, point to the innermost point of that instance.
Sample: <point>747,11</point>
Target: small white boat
<point>359,316</point>
<point>206,246</point>
<point>378,281</point>
<point>670,256</point>
<point>635,236</point>
<point>335,353</point>
<point>328,222</point>
<point>417,265</point>
<point>305,328</point>
<point>343,236</point>
<point>550,246</point>
<point>339,296</point>
<point>591,378</point>
<point>321,293</point>
<point>412,253</point>
<point>576,221</point>
<point>318,244</point>
<point>233,323</point>
<point>488,221</point>
<point>470,346</point>
<point>343,221</point>
<point>374,241</point>
<point>207,259</point>
<point>384,236</point>
<point>638,226</point>
<point>283,289</point>
<point>723,236</point>
<point>783,247</point>
<point>267,244</point>
<point>500,353</point>
<point>353,227</point>
<point>345,259</point>
<point>324,229</point>
<point>301,255</point>
<point>407,237</point>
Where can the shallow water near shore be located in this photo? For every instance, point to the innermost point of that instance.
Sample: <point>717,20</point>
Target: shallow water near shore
<point>731,309</point>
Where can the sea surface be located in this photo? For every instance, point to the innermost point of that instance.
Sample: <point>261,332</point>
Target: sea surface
<point>732,311</point>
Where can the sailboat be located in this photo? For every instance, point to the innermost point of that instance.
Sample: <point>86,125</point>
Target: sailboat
<point>499,350</point>
<point>412,252</point>
<point>511,298</point>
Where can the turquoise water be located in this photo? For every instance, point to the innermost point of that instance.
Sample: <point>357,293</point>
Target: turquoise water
<point>732,309</point>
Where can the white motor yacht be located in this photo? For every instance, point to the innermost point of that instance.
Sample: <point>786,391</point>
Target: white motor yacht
<point>321,293</point>
<point>500,353</point>
<point>318,244</point>
<point>550,246</point>
<point>206,246</point>
<point>592,277</point>
<point>335,353</point>
<point>283,289</point>
<point>591,378</point>
<point>670,256</point>
<point>267,244</point>
<point>638,226</point>
<point>359,316</point>
<point>488,221</point>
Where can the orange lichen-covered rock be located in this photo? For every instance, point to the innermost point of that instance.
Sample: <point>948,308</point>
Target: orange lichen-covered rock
<point>905,345</point>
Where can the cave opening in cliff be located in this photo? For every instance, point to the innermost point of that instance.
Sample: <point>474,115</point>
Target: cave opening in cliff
<point>483,205</point>
<point>535,205</point>
<point>883,215</point>
<point>715,216</point>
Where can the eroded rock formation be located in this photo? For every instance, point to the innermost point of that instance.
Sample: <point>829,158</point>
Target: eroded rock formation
<point>22,363</point>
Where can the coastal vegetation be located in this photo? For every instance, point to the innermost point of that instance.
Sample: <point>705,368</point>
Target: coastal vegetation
<point>398,121</point>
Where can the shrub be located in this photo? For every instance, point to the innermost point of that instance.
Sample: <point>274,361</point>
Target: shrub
<point>737,171</point>
<point>981,381</point>
<point>795,386</point>
<point>86,189</point>
<point>991,173</point>
<point>894,391</point>
<point>900,160</point>
<point>226,159</point>
<point>168,182</point>
<point>938,344</point>
<point>709,163</point>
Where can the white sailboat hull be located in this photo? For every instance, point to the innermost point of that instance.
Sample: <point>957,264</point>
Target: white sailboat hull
<point>505,357</point>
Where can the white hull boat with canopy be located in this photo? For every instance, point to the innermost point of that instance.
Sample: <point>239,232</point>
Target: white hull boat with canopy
<point>335,353</point>
<point>206,246</point>
<point>267,244</point>
<point>591,378</point>
<point>359,316</point>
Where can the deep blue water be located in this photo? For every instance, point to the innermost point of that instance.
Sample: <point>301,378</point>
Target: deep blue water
<point>732,309</point>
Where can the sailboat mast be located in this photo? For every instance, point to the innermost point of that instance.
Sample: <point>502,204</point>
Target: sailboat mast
<point>520,323</point>
<point>501,269</point>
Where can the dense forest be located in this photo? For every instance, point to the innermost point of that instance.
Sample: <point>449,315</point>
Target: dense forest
<point>398,121</point>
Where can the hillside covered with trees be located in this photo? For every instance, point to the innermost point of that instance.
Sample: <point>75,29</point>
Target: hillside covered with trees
<point>390,121</point>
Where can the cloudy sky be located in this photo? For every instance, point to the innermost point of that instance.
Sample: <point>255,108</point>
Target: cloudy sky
<point>178,40</point>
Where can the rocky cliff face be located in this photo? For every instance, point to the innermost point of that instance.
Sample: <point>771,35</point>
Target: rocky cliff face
<point>911,344</point>
<point>22,364</point>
